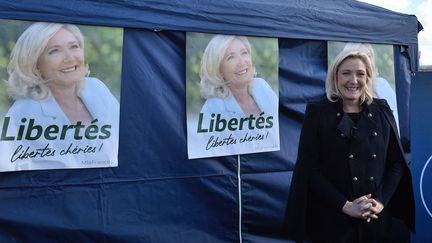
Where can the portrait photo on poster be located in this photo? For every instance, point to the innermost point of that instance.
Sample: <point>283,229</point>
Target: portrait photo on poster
<point>59,102</point>
<point>232,87</point>
<point>381,56</point>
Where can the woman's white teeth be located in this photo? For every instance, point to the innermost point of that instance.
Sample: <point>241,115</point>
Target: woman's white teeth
<point>242,72</point>
<point>71,69</point>
<point>352,88</point>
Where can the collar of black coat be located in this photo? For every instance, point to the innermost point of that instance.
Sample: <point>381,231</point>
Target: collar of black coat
<point>346,125</point>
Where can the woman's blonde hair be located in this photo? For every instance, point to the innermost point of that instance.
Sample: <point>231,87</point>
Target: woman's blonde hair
<point>212,82</point>
<point>333,93</point>
<point>363,47</point>
<point>25,80</point>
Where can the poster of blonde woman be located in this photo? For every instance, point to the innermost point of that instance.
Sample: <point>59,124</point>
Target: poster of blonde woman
<point>381,57</point>
<point>232,95</point>
<point>59,109</point>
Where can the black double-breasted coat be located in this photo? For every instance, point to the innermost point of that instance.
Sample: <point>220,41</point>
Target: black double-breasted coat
<point>340,160</point>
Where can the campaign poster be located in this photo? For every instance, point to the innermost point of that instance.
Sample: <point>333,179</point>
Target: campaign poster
<point>382,59</point>
<point>59,102</point>
<point>232,92</point>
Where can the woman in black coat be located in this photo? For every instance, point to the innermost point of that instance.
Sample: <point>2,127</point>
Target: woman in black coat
<point>351,176</point>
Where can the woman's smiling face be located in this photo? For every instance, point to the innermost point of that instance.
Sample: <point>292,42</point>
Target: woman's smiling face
<point>351,79</point>
<point>236,66</point>
<point>62,61</point>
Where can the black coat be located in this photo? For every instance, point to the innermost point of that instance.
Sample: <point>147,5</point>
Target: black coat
<point>339,160</point>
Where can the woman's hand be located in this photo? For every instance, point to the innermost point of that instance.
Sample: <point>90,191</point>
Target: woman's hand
<point>376,208</point>
<point>363,207</point>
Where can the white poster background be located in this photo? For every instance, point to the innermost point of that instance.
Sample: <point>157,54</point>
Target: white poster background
<point>36,134</point>
<point>219,127</point>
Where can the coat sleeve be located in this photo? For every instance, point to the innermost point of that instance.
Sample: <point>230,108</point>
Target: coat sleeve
<point>307,176</point>
<point>295,217</point>
<point>393,171</point>
<point>402,202</point>
<point>309,153</point>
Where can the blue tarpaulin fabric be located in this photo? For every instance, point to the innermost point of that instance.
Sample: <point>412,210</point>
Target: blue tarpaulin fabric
<point>156,194</point>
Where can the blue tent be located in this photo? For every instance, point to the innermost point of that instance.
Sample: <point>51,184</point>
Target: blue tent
<point>156,194</point>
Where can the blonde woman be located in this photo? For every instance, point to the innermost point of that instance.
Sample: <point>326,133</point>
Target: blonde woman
<point>351,176</point>
<point>56,108</point>
<point>380,86</point>
<point>228,83</point>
